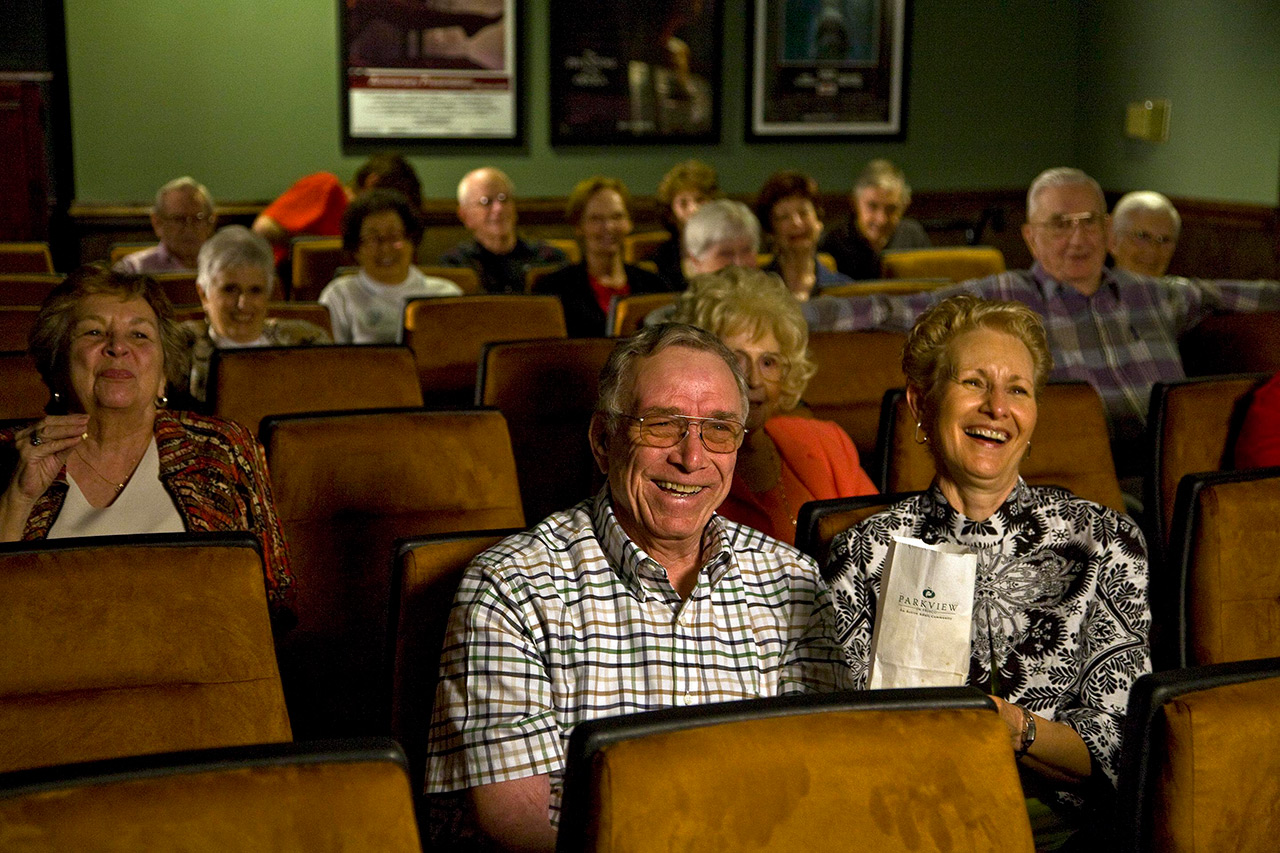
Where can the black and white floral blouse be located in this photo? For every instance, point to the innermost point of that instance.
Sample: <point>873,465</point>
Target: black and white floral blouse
<point>1060,610</point>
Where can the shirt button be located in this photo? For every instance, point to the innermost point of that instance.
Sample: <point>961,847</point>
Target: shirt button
<point>688,698</point>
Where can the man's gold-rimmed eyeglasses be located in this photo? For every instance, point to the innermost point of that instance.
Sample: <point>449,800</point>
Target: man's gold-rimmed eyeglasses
<point>718,434</point>
<point>1090,222</point>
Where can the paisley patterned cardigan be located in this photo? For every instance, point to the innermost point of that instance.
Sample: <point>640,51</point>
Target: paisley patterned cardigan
<point>216,474</point>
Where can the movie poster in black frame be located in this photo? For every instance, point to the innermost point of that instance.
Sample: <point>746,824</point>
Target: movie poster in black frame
<point>626,71</point>
<point>430,70</point>
<point>828,68</point>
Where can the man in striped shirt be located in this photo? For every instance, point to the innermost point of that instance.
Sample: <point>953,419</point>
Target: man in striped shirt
<point>637,599</point>
<point>1114,329</point>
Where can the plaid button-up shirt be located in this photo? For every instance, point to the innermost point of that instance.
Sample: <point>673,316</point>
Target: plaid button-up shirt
<point>572,621</point>
<point>1121,340</point>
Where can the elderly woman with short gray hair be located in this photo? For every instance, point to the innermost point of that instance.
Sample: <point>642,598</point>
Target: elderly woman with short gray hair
<point>236,276</point>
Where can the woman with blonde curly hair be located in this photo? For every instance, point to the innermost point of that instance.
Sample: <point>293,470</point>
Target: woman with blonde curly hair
<point>786,460</point>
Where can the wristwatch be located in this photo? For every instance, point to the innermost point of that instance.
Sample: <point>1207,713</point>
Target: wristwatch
<point>1028,732</point>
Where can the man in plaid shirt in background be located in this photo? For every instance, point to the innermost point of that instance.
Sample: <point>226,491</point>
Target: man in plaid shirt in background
<point>637,599</point>
<point>1114,329</point>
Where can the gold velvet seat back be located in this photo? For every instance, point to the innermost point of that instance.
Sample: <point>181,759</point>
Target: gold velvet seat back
<point>876,771</point>
<point>855,369</point>
<point>1226,554</point>
<point>290,798</point>
<point>347,486</point>
<point>427,573</point>
<point>547,389</point>
<point>1070,447</point>
<point>247,385</point>
<point>25,257</point>
<point>1201,760</point>
<point>315,262</point>
<point>447,335</point>
<point>957,263</point>
<point>626,315</point>
<point>117,646</point>
<point>1192,428</point>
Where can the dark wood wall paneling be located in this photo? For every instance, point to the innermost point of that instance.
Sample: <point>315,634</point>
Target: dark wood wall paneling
<point>1219,240</point>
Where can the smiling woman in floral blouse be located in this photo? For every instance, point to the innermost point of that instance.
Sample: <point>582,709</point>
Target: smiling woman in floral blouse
<point>1060,615</point>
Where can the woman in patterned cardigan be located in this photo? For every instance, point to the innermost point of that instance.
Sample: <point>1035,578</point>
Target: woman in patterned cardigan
<point>109,458</point>
<point>1060,614</point>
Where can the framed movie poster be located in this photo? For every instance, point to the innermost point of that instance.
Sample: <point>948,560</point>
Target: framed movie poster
<point>827,68</point>
<point>437,70</point>
<point>628,71</point>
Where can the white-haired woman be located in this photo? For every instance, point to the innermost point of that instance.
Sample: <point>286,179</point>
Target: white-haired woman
<point>235,273</point>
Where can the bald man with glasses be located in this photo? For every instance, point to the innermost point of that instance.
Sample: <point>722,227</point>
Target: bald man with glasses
<point>501,257</point>
<point>637,599</point>
<point>1112,328</point>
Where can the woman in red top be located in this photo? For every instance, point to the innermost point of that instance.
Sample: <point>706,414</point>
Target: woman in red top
<point>786,459</point>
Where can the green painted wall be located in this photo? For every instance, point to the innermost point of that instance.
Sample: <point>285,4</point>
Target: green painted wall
<point>1221,69</point>
<point>243,95</point>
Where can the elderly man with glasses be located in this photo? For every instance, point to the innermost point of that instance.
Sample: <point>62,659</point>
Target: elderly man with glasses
<point>183,218</point>
<point>1112,328</point>
<point>636,599</point>
<point>487,206</point>
<point>1144,232</point>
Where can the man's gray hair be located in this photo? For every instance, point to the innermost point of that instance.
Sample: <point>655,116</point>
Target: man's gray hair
<point>1061,176</point>
<point>619,370</point>
<point>497,173</point>
<point>234,246</point>
<point>1144,201</point>
<point>186,182</point>
<point>882,174</point>
<point>719,221</point>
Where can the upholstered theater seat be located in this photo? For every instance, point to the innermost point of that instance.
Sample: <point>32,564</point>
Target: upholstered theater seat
<point>426,576</point>
<point>314,262</point>
<point>855,369</point>
<point>25,257</point>
<point>1201,760</point>
<point>347,486</point>
<point>957,263</point>
<point>447,335</point>
<point>247,385</point>
<point>351,796</point>
<point>1225,560</point>
<point>626,315</point>
<point>547,389</point>
<point>1192,427</point>
<point>1071,447</point>
<point>123,645</point>
<point>880,770</point>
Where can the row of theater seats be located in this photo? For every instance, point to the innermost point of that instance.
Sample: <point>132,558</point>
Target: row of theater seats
<point>460,352</point>
<point>122,648</point>
<point>27,268</point>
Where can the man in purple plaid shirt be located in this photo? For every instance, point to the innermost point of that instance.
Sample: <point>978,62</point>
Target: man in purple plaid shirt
<point>1113,329</point>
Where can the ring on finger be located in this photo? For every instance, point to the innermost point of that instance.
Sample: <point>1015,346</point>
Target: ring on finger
<point>36,440</point>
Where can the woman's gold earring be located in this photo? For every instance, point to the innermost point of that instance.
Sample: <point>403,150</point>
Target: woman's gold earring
<point>162,401</point>
<point>919,438</point>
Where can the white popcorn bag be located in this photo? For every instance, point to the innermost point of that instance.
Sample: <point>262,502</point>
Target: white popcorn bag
<point>924,616</point>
